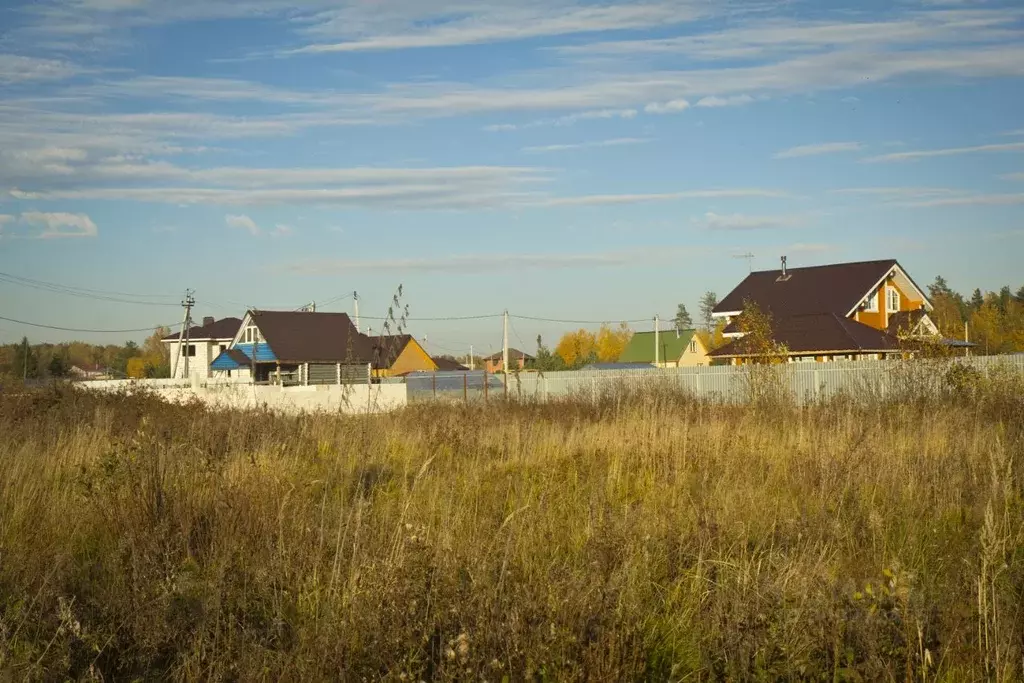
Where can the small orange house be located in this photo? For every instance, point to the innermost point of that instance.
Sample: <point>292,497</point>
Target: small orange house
<point>842,311</point>
<point>516,358</point>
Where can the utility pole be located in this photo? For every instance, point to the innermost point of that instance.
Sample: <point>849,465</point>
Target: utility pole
<point>657,341</point>
<point>24,363</point>
<point>355,303</point>
<point>504,346</point>
<point>186,325</point>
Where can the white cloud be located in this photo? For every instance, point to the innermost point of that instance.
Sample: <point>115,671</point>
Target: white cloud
<point>612,199</point>
<point>489,263</point>
<point>898,192</point>
<point>282,230</point>
<point>970,200</point>
<point>615,142</point>
<point>60,225</point>
<point>567,120</point>
<point>497,22</point>
<point>951,151</point>
<point>19,69</point>
<point>814,150</point>
<point>731,101</point>
<point>456,196</point>
<point>714,221</point>
<point>242,222</point>
<point>670,107</point>
<point>1013,176</point>
<point>768,38</point>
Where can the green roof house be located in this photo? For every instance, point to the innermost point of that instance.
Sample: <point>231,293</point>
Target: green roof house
<point>675,349</point>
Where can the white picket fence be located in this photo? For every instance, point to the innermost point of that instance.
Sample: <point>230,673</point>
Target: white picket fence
<point>805,381</point>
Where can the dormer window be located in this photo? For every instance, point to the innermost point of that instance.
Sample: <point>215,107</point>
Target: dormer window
<point>251,335</point>
<point>871,304</point>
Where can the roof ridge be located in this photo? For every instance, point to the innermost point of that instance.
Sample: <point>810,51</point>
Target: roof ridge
<point>827,265</point>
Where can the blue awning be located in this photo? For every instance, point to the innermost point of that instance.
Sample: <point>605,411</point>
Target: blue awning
<point>231,359</point>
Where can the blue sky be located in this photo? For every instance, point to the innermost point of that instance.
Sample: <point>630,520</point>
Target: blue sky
<point>558,158</point>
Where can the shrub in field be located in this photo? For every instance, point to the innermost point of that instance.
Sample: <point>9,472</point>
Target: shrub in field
<point>638,536</point>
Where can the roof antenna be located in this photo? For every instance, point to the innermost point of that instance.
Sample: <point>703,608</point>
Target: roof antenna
<point>750,260</point>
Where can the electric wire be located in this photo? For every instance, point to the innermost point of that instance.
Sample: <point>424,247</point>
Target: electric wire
<point>76,329</point>
<point>84,294</point>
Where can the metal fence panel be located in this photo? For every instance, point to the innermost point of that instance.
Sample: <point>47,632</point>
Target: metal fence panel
<point>807,382</point>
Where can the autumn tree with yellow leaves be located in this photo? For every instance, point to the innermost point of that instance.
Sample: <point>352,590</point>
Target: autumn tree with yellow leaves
<point>582,347</point>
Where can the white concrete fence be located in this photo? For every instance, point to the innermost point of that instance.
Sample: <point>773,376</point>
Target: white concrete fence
<point>243,394</point>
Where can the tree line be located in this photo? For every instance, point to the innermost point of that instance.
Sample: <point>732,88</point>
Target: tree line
<point>25,360</point>
<point>993,321</point>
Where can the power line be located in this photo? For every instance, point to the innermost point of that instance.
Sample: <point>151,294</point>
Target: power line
<point>449,318</point>
<point>336,299</point>
<point>580,322</point>
<point>74,329</point>
<point>87,289</point>
<point>83,292</point>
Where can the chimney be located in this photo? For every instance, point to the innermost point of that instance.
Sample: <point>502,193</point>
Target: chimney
<point>785,276</point>
<point>208,320</point>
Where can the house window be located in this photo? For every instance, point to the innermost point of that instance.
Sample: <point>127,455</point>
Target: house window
<point>693,346</point>
<point>252,335</point>
<point>892,299</point>
<point>871,305</point>
<point>189,350</point>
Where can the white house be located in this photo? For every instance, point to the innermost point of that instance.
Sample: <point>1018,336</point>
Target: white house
<point>205,343</point>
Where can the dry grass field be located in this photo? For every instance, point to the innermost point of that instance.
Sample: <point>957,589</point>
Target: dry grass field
<point>643,538</point>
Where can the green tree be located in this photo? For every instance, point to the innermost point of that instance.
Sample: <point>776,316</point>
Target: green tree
<point>977,300</point>
<point>1005,297</point>
<point>707,306</point>
<point>683,319</point>
<point>939,287</point>
<point>122,355</point>
<point>1020,295</point>
<point>26,362</point>
<point>547,361</point>
<point>60,366</point>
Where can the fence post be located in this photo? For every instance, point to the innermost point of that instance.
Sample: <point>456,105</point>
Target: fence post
<point>545,389</point>
<point>465,388</point>
<point>817,385</point>
<point>433,384</point>
<point>486,388</point>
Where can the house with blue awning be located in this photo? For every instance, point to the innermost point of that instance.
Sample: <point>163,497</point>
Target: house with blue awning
<point>299,348</point>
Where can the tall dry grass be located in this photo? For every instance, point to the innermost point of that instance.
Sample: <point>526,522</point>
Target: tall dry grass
<point>643,538</point>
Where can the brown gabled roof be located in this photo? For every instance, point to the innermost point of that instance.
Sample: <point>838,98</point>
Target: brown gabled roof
<point>387,348</point>
<point>448,365</point>
<point>836,288</point>
<point>225,328</point>
<point>513,354</point>
<point>904,322</point>
<point>820,332</point>
<point>303,337</point>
